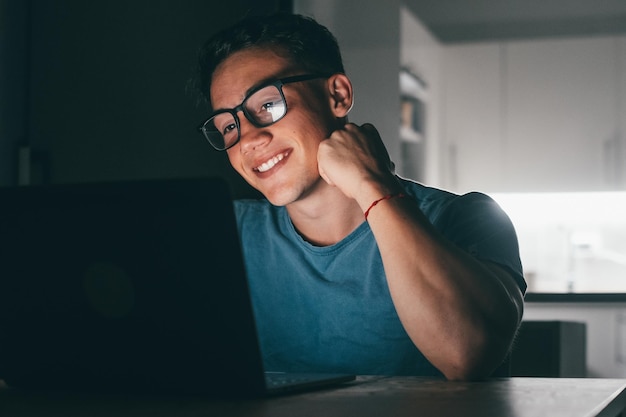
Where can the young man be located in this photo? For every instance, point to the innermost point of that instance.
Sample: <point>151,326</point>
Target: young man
<point>351,268</point>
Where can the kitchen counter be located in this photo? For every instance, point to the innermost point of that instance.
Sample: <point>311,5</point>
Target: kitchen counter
<point>576,297</point>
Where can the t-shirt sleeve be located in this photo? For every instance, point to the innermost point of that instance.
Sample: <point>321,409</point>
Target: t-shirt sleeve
<point>478,225</point>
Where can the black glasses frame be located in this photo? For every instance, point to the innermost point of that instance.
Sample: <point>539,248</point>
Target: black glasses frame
<point>241,107</point>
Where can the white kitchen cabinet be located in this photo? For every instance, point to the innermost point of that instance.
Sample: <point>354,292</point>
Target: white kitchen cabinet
<point>472,117</point>
<point>621,112</point>
<point>561,122</point>
<point>540,115</point>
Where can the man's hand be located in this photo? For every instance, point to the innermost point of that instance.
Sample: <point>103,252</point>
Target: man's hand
<point>354,157</point>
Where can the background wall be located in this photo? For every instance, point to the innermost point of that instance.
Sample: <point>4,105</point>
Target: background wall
<point>105,84</point>
<point>420,53</point>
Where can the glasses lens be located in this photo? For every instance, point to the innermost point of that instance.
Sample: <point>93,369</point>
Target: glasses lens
<point>221,130</point>
<point>265,106</point>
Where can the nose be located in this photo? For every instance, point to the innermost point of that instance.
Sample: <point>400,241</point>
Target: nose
<point>250,136</point>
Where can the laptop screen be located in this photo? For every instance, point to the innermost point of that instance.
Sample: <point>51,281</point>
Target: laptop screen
<point>125,285</point>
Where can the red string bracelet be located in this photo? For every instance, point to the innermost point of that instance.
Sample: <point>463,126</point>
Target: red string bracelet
<point>387,197</point>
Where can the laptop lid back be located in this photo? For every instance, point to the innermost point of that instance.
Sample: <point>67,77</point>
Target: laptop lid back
<point>125,286</point>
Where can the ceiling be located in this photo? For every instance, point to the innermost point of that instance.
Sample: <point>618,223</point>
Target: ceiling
<point>454,21</point>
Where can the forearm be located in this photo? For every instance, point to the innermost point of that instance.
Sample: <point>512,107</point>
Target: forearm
<point>457,310</point>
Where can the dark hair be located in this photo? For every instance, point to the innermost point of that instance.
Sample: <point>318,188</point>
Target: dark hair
<point>301,39</point>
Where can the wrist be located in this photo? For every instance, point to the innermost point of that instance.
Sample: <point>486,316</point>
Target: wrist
<point>374,190</point>
<point>383,198</point>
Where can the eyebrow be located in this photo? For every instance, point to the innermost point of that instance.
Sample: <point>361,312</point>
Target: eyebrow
<point>283,74</point>
<point>247,93</point>
<point>259,84</point>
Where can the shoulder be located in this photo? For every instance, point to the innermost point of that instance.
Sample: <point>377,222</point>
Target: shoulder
<point>472,221</point>
<point>447,210</point>
<point>437,203</point>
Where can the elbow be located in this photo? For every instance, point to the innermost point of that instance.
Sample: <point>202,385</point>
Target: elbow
<point>473,367</point>
<point>465,370</point>
<point>478,356</point>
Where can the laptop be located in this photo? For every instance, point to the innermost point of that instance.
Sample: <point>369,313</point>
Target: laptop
<point>134,286</point>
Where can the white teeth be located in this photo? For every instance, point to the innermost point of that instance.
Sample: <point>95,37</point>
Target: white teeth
<point>266,166</point>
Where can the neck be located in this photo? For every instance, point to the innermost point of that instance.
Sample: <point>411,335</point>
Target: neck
<point>325,217</point>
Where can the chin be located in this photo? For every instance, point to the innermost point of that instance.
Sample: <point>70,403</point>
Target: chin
<point>280,197</point>
<point>278,200</point>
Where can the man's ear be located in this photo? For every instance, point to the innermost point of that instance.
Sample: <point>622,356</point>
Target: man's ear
<point>341,97</point>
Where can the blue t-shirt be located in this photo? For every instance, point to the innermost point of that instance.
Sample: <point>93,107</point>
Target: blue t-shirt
<point>328,309</point>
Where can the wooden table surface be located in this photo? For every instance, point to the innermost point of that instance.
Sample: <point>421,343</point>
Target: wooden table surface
<point>365,397</point>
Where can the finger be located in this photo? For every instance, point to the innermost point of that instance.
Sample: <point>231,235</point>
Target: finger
<point>322,173</point>
<point>325,177</point>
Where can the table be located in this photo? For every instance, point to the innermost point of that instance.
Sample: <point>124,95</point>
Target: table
<point>365,397</point>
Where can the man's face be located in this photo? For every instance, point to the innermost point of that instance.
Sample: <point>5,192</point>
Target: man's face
<point>278,160</point>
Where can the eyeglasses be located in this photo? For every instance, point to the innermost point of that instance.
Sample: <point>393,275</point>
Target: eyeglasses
<point>263,106</point>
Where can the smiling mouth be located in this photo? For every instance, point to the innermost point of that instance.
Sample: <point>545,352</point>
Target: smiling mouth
<point>266,166</point>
